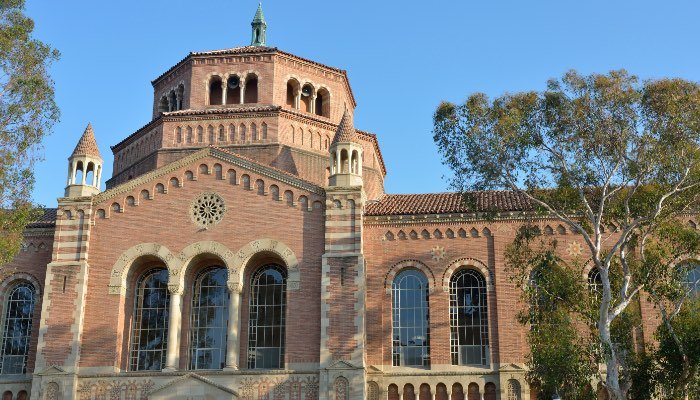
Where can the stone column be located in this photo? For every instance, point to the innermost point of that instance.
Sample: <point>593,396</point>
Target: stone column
<point>313,104</point>
<point>242,92</point>
<point>224,92</point>
<point>234,326</point>
<point>172,355</point>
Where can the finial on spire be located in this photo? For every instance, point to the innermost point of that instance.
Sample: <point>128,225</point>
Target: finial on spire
<point>259,27</point>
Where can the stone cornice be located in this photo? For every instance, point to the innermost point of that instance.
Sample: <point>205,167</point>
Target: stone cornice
<point>422,219</point>
<point>216,153</point>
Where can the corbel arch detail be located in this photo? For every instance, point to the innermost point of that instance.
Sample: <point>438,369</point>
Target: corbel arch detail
<point>407,264</point>
<point>120,269</point>
<point>245,253</point>
<point>467,262</point>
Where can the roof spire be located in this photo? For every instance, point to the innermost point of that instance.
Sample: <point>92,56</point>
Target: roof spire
<point>259,27</point>
<point>346,131</point>
<point>87,145</point>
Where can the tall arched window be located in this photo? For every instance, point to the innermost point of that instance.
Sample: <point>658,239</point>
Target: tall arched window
<point>595,283</point>
<point>411,331</point>
<point>150,327</point>
<point>209,319</point>
<point>17,329</point>
<point>267,319</point>
<point>469,326</point>
<point>215,91</point>
<point>692,279</point>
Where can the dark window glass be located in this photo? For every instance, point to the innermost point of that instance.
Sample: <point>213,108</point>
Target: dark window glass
<point>411,331</point>
<point>595,284</point>
<point>17,330</point>
<point>268,303</point>
<point>693,278</point>
<point>209,319</point>
<point>150,332</point>
<point>469,326</point>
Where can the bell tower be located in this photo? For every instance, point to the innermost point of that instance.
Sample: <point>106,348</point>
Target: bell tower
<point>259,28</point>
<point>84,167</point>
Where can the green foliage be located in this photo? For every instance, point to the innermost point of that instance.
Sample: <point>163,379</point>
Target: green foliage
<point>671,375</point>
<point>592,152</point>
<point>27,113</point>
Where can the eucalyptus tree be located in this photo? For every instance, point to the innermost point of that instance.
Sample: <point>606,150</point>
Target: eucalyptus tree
<point>27,113</point>
<point>596,151</point>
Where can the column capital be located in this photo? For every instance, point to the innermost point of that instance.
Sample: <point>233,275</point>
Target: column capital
<point>234,287</point>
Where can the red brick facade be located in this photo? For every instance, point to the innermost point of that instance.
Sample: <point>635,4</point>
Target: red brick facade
<point>341,245</point>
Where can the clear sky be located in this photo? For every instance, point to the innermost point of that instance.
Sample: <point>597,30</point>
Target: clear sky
<point>402,57</point>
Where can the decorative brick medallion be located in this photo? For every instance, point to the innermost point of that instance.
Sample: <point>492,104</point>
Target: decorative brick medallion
<point>207,210</point>
<point>438,253</point>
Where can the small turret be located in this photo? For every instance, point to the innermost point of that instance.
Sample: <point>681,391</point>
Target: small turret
<point>346,155</point>
<point>84,167</point>
<point>259,28</point>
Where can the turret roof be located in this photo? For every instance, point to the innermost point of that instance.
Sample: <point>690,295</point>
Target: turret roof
<point>87,145</point>
<point>346,131</point>
<point>259,16</point>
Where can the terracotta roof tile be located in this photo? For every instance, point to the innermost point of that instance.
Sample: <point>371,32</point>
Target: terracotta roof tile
<point>445,203</point>
<point>346,131</point>
<point>47,219</point>
<point>87,145</point>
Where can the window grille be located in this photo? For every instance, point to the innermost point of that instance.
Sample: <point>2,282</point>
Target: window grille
<point>17,329</point>
<point>410,319</point>
<point>150,328</point>
<point>209,319</point>
<point>267,319</point>
<point>469,327</point>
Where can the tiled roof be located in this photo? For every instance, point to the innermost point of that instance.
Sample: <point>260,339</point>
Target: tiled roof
<point>446,203</point>
<point>47,219</point>
<point>346,131</point>
<point>87,145</point>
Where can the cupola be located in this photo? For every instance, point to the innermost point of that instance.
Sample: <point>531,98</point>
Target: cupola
<point>346,155</point>
<point>84,167</point>
<point>259,28</point>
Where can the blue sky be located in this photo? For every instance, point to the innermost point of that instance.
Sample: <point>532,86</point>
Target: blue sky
<point>402,57</point>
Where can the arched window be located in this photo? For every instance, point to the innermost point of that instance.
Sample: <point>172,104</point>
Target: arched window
<point>263,128</point>
<point>179,134</point>
<point>215,91</point>
<point>595,283</point>
<point>241,131</point>
<point>232,133</point>
<point>150,327</point>
<point>200,134</point>
<point>17,329</point>
<point>691,273</point>
<point>323,104</point>
<point>513,390</point>
<point>469,318</point>
<point>233,90</point>
<point>307,91</point>
<point>251,89</point>
<point>210,132</point>
<point>267,317</point>
<point>163,105</point>
<point>253,132</point>
<point>189,134</point>
<point>411,331</point>
<point>209,319</point>
<point>222,134</point>
<point>172,101</point>
<point>292,93</point>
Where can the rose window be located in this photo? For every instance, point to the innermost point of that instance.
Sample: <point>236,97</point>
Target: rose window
<point>208,210</point>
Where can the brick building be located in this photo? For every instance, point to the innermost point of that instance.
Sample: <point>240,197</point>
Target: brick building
<point>244,247</point>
